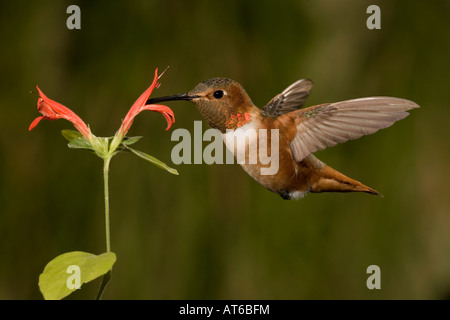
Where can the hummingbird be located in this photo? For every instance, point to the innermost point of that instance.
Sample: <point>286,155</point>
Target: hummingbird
<point>226,106</point>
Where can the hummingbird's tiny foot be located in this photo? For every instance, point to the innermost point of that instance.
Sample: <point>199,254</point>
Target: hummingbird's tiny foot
<point>292,195</point>
<point>285,194</point>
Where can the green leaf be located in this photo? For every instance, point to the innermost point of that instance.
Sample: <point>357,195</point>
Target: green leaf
<point>76,140</point>
<point>153,160</point>
<point>64,272</point>
<point>128,141</point>
<point>71,134</point>
<point>80,143</point>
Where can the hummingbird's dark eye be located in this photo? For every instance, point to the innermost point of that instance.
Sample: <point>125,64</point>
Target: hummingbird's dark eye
<point>218,94</point>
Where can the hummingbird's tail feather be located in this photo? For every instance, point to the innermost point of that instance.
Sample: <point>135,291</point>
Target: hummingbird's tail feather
<point>331,180</point>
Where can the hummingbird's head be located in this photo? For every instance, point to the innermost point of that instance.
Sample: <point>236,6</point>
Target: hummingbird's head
<point>219,100</point>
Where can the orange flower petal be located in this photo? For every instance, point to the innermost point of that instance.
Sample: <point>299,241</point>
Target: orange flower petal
<point>53,110</point>
<point>164,110</point>
<point>140,106</point>
<point>35,123</point>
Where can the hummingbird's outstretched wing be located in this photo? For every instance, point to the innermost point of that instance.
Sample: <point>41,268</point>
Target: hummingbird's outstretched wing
<point>326,125</point>
<point>292,98</point>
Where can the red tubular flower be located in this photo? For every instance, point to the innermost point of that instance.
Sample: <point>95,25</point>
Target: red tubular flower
<point>52,110</point>
<point>139,106</point>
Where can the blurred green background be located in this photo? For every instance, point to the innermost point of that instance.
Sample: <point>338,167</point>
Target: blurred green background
<point>212,232</point>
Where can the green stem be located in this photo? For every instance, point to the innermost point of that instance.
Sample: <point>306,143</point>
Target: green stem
<point>105,281</point>
<point>107,276</point>
<point>105,181</point>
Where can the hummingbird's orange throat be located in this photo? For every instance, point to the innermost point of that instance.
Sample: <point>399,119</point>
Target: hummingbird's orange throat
<point>239,119</point>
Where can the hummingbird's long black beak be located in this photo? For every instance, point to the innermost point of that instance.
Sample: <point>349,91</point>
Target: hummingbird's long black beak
<point>174,97</point>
